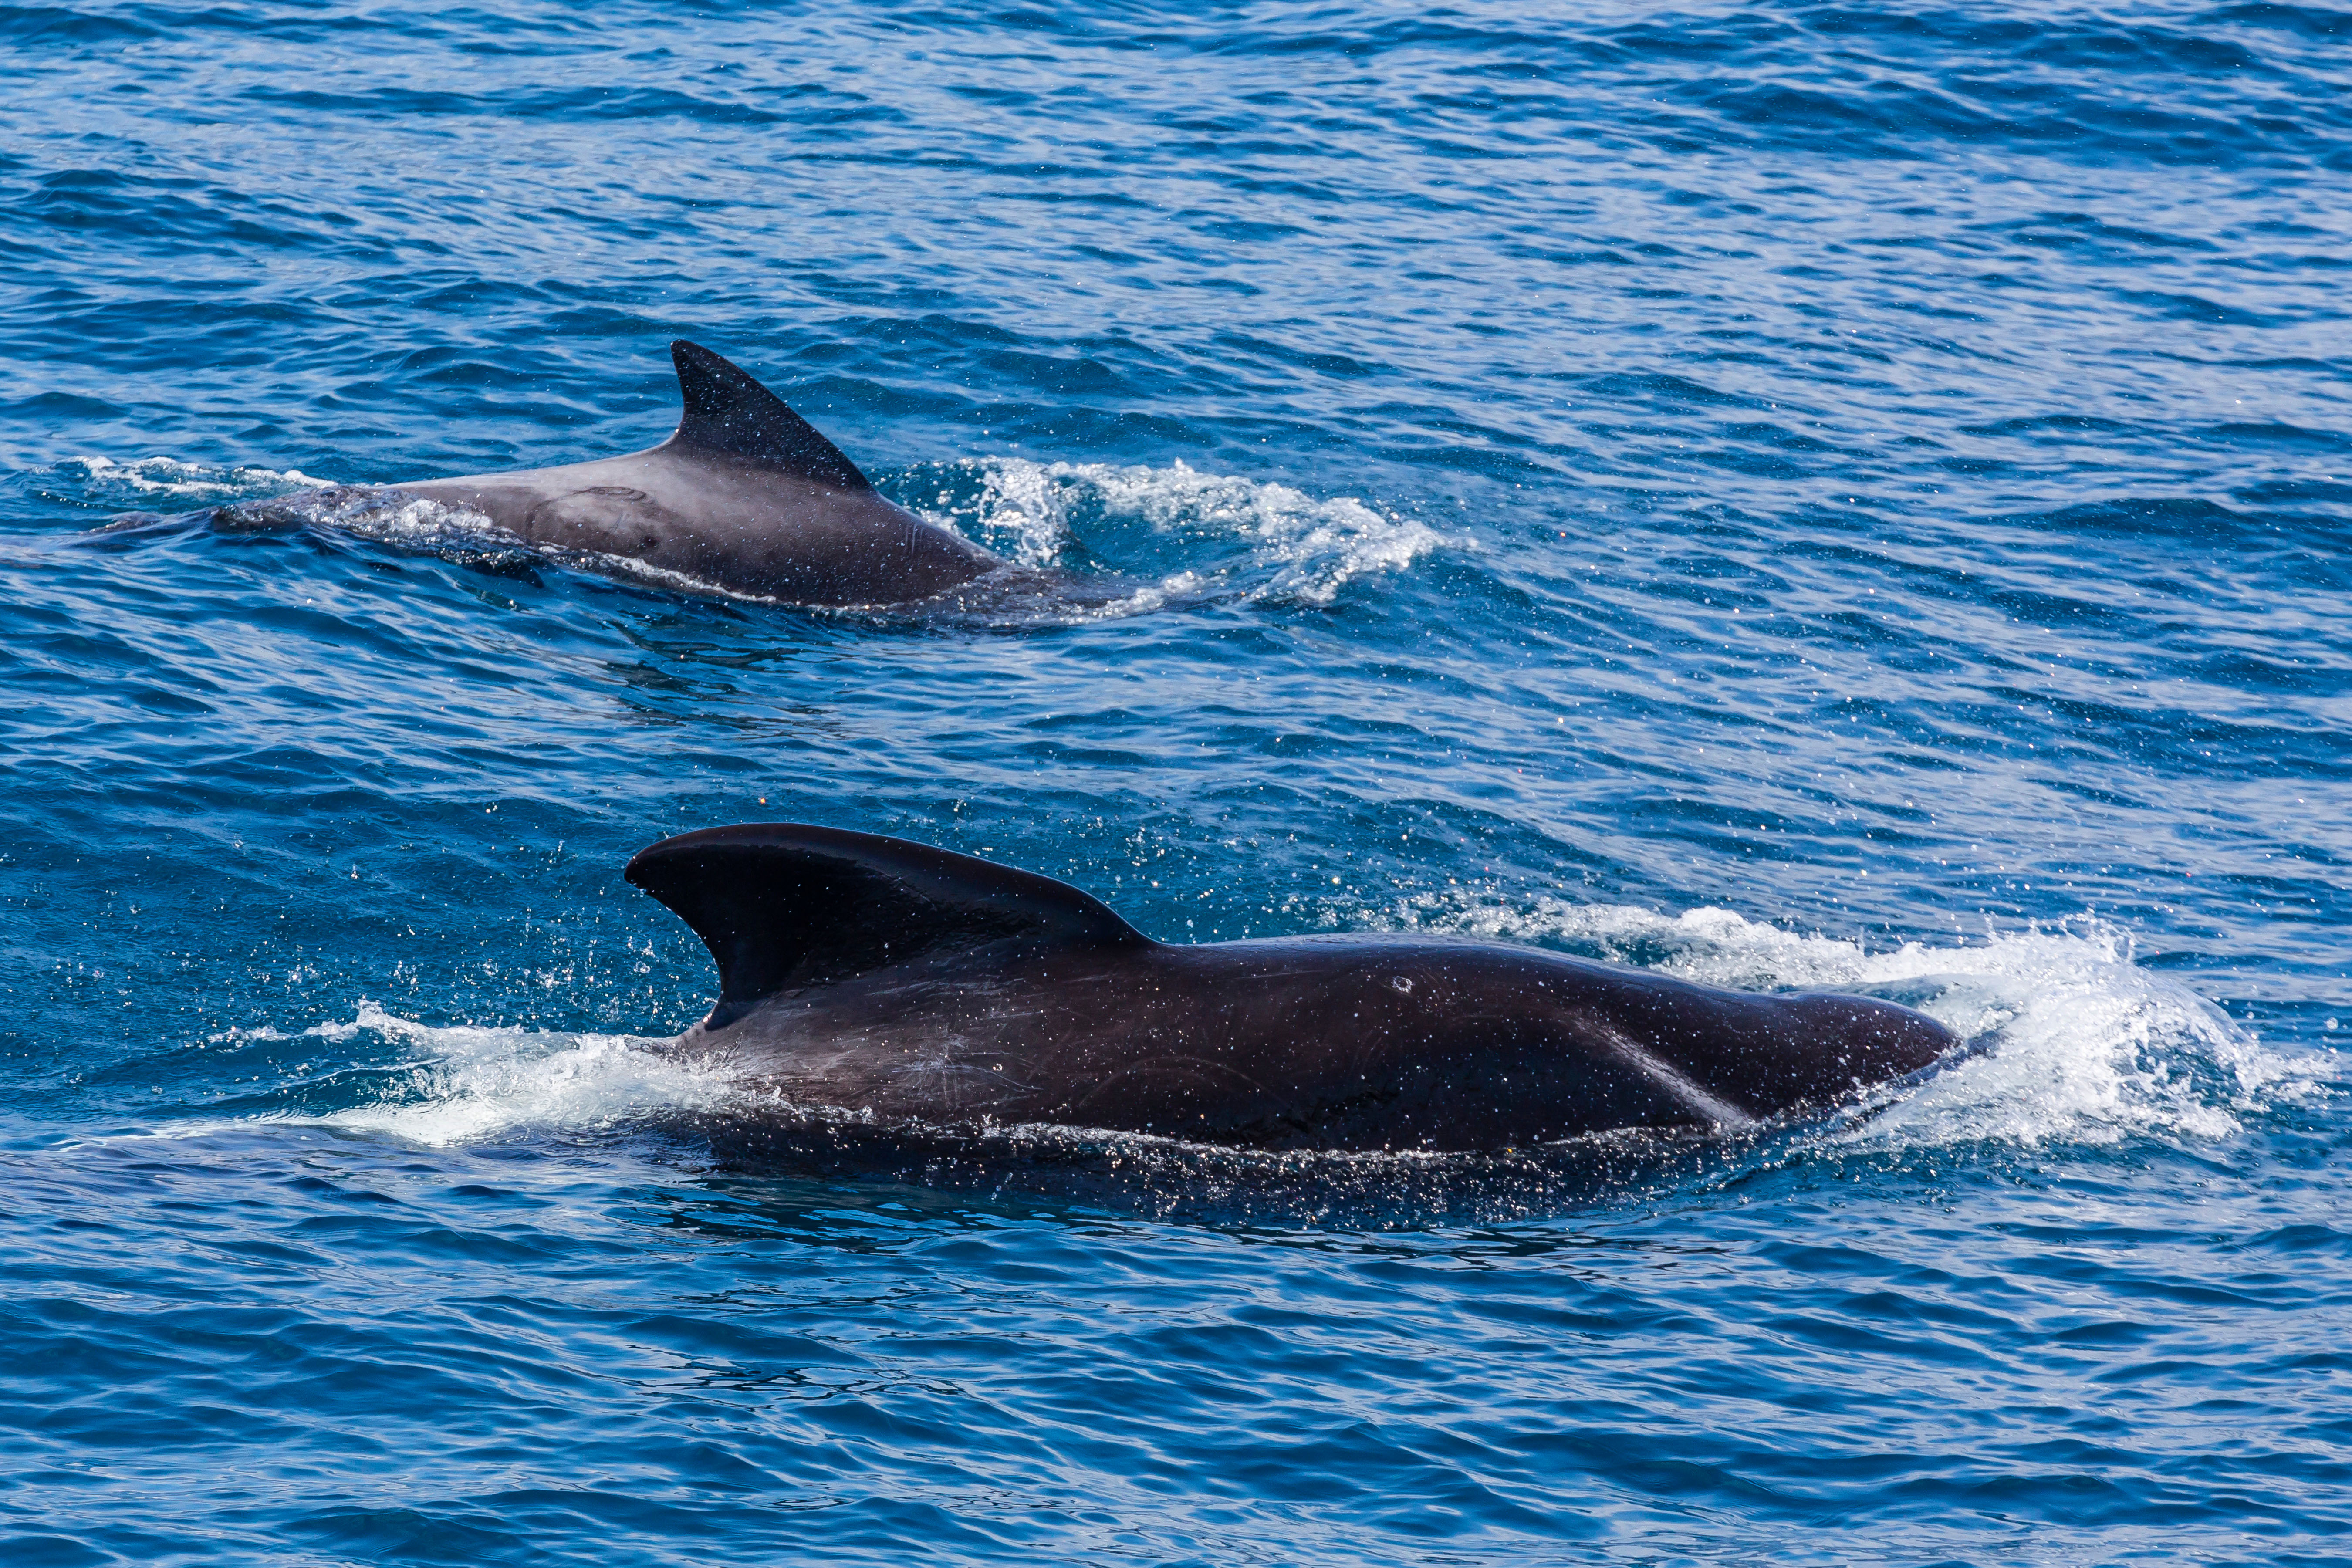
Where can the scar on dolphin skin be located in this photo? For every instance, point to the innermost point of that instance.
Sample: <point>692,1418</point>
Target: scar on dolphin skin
<point>927,988</point>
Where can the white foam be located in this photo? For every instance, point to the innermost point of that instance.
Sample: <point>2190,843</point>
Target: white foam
<point>392,517</point>
<point>169,477</point>
<point>470,1084</point>
<point>1303,550</point>
<point>1022,512</point>
<point>2079,1044</point>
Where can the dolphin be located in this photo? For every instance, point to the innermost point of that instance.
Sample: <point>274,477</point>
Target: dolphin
<point>915,987</point>
<point>745,495</point>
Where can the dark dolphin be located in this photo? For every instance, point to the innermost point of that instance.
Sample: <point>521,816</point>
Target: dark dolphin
<point>932,989</point>
<point>746,495</point>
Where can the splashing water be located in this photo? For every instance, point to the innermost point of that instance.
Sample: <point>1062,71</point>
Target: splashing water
<point>464,1084</point>
<point>2073,1041</point>
<point>1266,540</point>
<point>150,479</point>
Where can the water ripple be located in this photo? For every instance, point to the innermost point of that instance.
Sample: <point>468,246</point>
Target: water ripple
<point>1787,495</point>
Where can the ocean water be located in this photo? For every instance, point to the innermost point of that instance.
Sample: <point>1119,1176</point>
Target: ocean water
<point>1789,494</point>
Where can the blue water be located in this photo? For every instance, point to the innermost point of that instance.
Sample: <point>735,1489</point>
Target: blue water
<point>1780,493</point>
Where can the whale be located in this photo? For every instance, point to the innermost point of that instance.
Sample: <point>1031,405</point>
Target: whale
<point>745,495</point>
<point>900,985</point>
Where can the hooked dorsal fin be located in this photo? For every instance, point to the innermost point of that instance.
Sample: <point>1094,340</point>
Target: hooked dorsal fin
<point>783,905</point>
<point>727,411</point>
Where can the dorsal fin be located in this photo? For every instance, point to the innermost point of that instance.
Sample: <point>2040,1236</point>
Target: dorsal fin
<point>783,905</point>
<point>727,411</point>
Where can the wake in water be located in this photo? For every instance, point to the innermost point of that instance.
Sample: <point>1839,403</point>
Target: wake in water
<point>1234,538</point>
<point>168,480</point>
<point>1080,541</point>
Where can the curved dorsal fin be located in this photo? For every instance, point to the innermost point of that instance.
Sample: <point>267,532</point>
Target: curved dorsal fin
<point>727,411</point>
<point>783,905</point>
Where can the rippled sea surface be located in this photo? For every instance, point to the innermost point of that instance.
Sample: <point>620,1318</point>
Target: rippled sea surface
<point>1787,494</point>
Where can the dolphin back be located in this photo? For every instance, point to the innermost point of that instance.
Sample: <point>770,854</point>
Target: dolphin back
<point>785,905</point>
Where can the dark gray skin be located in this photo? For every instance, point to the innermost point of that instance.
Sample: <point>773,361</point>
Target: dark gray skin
<point>935,990</point>
<point>746,495</point>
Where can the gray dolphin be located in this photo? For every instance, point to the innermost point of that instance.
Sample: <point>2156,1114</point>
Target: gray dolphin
<point>932,989</point>
<point>745,495</point>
